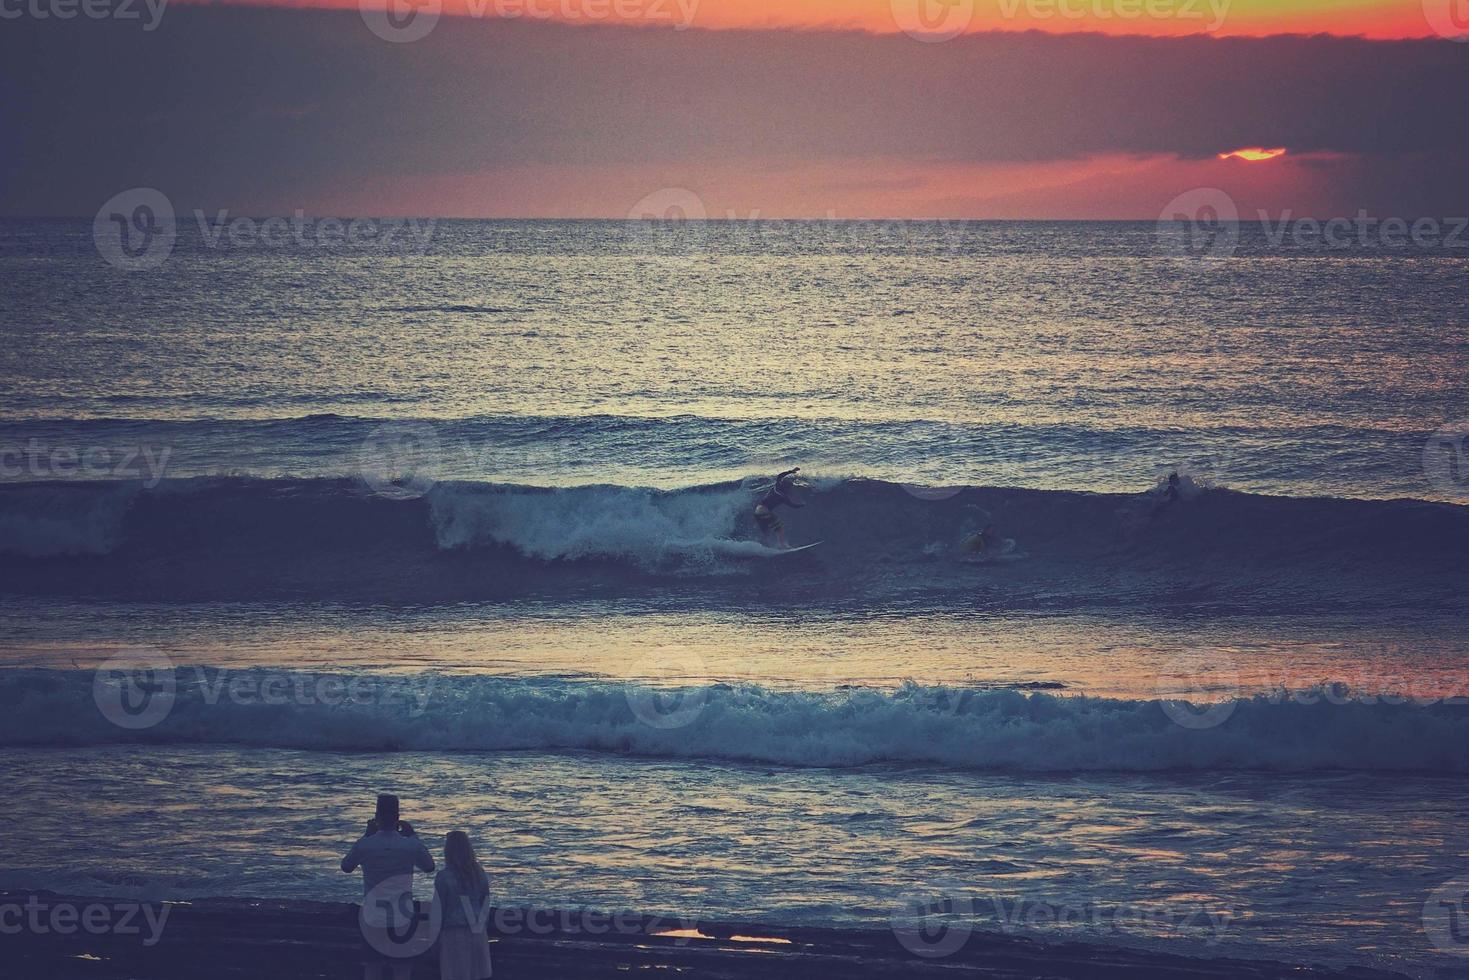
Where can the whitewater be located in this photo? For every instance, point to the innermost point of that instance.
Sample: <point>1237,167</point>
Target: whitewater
<point>986,729</point>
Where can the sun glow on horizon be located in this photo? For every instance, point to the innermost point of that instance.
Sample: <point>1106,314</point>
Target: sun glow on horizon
<point>1254,154</point>
<point>1377,19</point>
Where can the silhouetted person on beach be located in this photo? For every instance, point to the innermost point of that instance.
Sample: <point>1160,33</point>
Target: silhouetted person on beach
<point>463,894</point>
<point>388,856</point>
<point>779,493</point>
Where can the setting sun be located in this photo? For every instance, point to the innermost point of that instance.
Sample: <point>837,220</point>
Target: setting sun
<point>1254,154</point>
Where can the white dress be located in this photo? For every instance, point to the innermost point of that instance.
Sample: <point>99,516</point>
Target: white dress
<point>464,952</point>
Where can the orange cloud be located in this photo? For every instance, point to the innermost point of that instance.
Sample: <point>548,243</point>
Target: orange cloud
<point>516,118</point>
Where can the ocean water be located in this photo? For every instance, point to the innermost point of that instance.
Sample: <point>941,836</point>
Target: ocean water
<point>467,517</point>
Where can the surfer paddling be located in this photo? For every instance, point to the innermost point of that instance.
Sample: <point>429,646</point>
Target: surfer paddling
<point>780,493</point>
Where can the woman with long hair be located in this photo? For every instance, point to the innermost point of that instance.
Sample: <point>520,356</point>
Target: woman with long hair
<point>463,893</point>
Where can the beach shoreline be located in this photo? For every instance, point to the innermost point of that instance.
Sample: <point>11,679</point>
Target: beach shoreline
<point>60,937</point>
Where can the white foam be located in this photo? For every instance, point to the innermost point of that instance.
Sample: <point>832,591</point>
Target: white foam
<point>627,523</point>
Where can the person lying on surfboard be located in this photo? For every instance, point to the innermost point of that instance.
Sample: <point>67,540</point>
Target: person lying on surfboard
<point>779,493</point>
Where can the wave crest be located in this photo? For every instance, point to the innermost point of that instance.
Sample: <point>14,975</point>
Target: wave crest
<point>996,730</point>
<point>647,527</point>
<point>233,538</point>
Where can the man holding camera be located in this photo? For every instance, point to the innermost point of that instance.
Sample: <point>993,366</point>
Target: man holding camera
<point>388,854</point>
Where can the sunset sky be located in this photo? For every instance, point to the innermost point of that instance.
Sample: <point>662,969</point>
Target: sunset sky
<point>1380,19</point>
<point>735,108</point>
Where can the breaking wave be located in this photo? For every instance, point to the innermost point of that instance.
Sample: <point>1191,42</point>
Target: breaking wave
<point>245,538</point>
<point>971,729</point>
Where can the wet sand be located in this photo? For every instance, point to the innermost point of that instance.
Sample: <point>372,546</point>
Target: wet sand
<point>226,938</point>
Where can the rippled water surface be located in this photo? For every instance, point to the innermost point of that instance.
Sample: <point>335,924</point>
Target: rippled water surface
<point>508,481</point>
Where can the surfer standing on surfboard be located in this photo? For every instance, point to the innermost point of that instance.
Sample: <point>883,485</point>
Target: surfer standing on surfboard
<point>779,493</point>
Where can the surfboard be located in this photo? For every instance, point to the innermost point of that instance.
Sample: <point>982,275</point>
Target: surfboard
<point>792,551</point>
